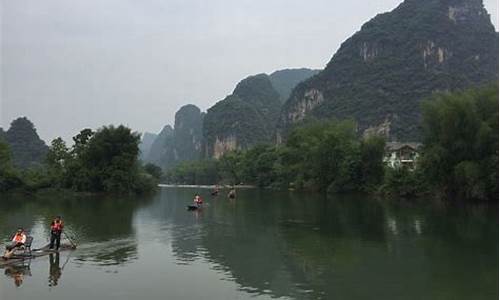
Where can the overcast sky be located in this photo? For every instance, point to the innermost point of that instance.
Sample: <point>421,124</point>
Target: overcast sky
<point>71,64</point>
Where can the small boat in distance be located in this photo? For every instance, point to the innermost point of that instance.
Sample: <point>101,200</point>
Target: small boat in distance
<point>193,207</point>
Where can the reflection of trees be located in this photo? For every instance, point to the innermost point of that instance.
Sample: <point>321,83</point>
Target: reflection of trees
<point>349,247</point>
<point>101,224</point>
<point>415,251</point>
<point>240,238</point>
<point>13,214</point>
<point>251,250</point>
<point>279,243</point>
<point>170,208</point>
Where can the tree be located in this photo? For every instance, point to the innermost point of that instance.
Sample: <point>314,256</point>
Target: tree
<point>9,178</point>
<point>81,141</point>
<point>372,164</point>
<point>104,161</point>
<point>230,166</point>
<point>460,154</point>
<point>57,158</point>
<point>111,159</point>
<point>153,170</point>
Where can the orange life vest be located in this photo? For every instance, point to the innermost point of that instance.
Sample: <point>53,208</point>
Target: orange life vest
<point>18,238</point>
<point>56,226</point>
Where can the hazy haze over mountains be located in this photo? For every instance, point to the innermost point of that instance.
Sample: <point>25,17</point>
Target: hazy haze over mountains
<point>67,65</point>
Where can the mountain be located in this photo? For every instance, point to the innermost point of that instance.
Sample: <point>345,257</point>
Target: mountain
<point>188,133</point>
<point>162,149</point>
<point>285,80</point>
<point>26,147</point>
<point>244,118</point>
<point>146,143</point>
<point>380,75</point>
<point>181,143</point>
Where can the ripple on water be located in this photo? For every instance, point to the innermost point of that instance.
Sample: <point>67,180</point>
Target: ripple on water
<point>109,253</point>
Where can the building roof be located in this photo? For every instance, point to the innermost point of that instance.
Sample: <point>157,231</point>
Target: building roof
<point>394,146</point>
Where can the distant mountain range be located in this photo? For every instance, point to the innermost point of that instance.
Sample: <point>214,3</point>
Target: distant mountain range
<point>378,77</point>
<point>245,118</point>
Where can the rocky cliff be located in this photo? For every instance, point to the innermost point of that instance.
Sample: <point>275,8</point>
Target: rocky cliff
<point>147,141</point>
<point>246,117</point>
<point>380,75</point>
<point>285,80</point>
<point>181,143</point>
<point>188,133</point>
<point>162,149</point>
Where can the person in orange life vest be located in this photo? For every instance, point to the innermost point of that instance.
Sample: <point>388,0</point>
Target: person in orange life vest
<point>56,228</point>
<point>198,200</point>
<point>18,241</point>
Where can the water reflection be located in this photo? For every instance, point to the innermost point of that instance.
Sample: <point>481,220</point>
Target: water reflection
<point>17,273</point>
<point>55,271</point>
<point>100,224</point>
<point>109,253</point>
<point>304,246</point>
<point>272,244</point>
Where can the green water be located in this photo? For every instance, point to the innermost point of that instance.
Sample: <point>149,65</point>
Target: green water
<point>262,245</point>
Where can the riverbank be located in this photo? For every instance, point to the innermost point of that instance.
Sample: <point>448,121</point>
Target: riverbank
<point>207,186</point>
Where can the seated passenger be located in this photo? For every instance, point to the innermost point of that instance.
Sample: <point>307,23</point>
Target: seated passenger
<point>17,242</point>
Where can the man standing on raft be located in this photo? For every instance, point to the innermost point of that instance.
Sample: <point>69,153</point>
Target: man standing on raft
<point>56,228</point>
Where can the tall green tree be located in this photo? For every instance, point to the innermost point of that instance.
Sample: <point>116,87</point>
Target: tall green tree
<point>460,133</point>
<point>57,158</point>
<point>9,178</point>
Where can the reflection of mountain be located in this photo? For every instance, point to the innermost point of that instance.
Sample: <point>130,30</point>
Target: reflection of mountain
<point>170,209</point>
<point>303,247</point>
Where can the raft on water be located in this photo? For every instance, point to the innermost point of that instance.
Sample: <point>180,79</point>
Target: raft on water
<point>193,207</point>
<point>34,254</point>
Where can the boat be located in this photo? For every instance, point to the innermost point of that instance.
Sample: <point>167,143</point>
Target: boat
<point>193,207</point>
<point>44,251</point>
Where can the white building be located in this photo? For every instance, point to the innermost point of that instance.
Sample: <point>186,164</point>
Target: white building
<point>401,154</point>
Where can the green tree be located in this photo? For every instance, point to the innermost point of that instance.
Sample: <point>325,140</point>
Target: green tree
<point>56,159</point>
<point>372,165</point>
<point>153,170</point>
<point>9,178</point>
<point>230,166</point>
<point>460,133</point>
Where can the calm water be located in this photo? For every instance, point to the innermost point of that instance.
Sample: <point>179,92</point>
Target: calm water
<point>262,245</point>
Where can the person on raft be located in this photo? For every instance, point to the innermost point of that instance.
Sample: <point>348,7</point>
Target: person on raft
<point>18,241</point>
<point>232,194</point>
<point>215,191</point>
<point>56,228</point>
<point>198,201</point>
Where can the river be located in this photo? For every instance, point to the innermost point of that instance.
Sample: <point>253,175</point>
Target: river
<point>262,245</point>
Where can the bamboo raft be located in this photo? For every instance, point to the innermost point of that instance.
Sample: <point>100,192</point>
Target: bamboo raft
<point>44,251</point>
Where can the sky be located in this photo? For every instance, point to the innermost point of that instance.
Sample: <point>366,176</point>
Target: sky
<point>69,65</point>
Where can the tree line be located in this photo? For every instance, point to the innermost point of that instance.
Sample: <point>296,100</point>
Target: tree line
<point>105,160</point>
<point>458,160</point>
